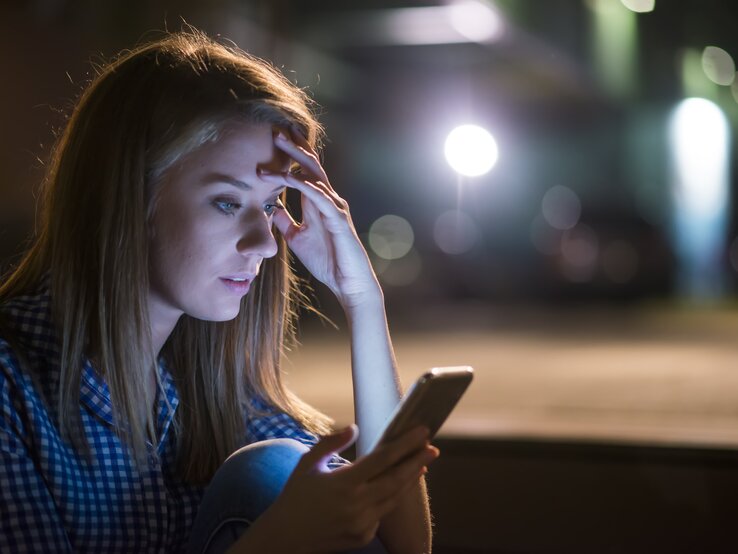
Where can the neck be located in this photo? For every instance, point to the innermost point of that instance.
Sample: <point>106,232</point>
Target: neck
<point>160,334</point>
<point>162,320</point>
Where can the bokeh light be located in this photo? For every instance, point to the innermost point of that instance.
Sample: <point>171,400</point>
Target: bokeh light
<point>561,207</point>
<point>455,232</point>
<point>391,237</point>
<point>579,246</point>
<point>639,6</point>
<point>475,20</point>
<point>580,253</point>
<point>718,65</point>
<point>700,140</point>
<point>458,22</point>
<point>699,133</point>
<point>471,150</point>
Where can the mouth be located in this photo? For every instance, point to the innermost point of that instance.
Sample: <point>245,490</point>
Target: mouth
<point>238,284</point>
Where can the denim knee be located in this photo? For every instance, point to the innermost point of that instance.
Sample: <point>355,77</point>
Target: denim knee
<point>260,470</point>
<point>243,487</point>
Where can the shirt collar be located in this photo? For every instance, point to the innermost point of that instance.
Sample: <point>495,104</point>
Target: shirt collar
<point>95,394</point>
<point>166,402</point>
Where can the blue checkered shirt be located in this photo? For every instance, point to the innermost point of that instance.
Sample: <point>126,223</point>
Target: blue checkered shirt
<point>54,500</point>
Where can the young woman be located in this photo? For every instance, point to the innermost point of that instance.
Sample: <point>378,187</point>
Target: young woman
<point>140,337</point>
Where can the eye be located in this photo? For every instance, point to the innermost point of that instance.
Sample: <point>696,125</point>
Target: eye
<point>227,207</point>
<point>270,207</point>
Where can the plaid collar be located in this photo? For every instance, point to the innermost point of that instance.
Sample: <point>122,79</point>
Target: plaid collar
<point>95,395</point>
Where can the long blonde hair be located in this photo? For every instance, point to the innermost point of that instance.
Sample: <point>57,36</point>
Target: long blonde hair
<point>142,113</point>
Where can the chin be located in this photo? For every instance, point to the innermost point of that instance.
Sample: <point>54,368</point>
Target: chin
<point>228,316</point>
<point>225,314</point>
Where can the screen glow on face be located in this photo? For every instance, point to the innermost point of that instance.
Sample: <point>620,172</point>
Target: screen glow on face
<point>212,226</point>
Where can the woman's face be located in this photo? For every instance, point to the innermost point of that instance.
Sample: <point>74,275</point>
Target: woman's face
<point>212,226</point>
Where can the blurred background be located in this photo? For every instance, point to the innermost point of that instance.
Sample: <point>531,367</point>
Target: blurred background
<point>546,189</point>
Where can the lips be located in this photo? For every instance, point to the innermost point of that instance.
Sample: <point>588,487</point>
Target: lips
<point>238,284</point>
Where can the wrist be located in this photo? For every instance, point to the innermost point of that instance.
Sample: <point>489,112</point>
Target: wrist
<point>369,298</point>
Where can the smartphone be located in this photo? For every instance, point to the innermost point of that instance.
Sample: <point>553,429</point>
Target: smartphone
<point>428,401</point>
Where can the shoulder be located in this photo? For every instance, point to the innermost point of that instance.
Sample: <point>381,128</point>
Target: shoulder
<point>265,421</point>
<point>25,323</point>
<point>28,351</point>
<point>11,370</point>
<point>14,391</point>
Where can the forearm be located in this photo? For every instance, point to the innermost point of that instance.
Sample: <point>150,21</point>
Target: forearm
<point>376,393</point>
<point>376,383</point>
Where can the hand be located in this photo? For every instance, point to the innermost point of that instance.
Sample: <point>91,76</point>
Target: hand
<point>325,241</point>
<point>340,510</point>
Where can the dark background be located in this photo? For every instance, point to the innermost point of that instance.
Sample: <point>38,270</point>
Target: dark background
<point>604,413</point>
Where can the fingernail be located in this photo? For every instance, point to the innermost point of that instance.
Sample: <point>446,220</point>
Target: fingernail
<point>431,453</point>
<point>281,135</point>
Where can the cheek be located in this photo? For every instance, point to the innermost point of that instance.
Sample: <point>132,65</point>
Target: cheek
<point>169,239</point>
<point>183,245</point>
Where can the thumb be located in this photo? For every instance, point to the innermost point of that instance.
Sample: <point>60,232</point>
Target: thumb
<point>327,446</point>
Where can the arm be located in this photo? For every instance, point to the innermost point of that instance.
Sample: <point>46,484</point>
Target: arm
<point>327,244</point>
<point>376,392</point>
<point>29,520</point>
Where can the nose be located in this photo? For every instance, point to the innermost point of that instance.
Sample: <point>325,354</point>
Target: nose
<point>257,236</point>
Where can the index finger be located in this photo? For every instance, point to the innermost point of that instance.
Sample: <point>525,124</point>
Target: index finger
<point>299,137</point>
<point>303,155</point>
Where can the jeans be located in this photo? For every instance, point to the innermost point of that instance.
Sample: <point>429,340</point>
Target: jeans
<point>244,487</point>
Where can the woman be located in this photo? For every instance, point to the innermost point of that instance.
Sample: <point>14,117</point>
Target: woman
<point>140,337</point>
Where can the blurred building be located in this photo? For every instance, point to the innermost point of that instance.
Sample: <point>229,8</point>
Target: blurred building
<point>578,95</point>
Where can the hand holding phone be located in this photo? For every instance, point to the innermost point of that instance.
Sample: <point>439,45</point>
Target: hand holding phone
<point>428,402</point>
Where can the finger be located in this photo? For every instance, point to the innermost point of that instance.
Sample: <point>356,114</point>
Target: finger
<point>387,455</point>
<point>326,203</point>
<point>325,448</point>
<point>307,159</point>
<point>403,474</point>
<point>321,185</point>
<point>299,136</point>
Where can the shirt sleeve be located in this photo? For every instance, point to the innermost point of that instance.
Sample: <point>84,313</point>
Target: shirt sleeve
<point>279,425</point>
<point>29,520</point>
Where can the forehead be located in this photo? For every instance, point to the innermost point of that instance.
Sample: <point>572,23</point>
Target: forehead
<point>246,147</point>
<point>236,155</point>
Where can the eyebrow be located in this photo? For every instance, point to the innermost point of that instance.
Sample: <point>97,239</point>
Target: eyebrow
<point>222,178</point>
